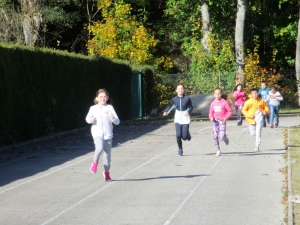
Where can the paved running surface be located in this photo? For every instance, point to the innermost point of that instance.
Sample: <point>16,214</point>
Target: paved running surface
<point>50,182</point>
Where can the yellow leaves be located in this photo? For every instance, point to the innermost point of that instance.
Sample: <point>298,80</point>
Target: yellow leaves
<point>255,74</point>
<point>119,35</point>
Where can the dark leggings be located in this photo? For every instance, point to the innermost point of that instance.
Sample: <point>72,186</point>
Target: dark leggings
<point>182,132</point>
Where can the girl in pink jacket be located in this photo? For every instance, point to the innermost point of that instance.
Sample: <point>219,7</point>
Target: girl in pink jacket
<point>219,112</point>
<point>239,98</point>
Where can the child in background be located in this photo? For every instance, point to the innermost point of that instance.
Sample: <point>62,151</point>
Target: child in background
<point>102,116</point>
<point>263,94</point>
<point>184,108</point>
<point>239,98</point>
<point>254,109</point>
<point>219,112</point>
<point>274,99</point>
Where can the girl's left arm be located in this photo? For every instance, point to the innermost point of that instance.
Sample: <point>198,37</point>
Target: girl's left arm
<point>190,105</point>
<point>228,109</point>
<point>279,96</point>
<point>114,117</point>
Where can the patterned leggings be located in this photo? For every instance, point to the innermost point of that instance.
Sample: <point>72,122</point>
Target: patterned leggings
<point>219,130</point>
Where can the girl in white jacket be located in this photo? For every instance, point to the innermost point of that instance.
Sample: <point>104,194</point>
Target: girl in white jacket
<point>102,116</point>
<point>274,99</point>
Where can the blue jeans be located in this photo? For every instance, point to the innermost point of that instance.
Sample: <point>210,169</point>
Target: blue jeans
<point>274,110</point>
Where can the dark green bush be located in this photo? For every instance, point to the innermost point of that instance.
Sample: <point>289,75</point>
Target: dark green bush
<point>44,91</point>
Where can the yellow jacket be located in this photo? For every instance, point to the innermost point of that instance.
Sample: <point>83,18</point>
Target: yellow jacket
<point>250,107</point>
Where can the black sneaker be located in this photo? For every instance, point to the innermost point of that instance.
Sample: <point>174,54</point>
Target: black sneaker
<point>180,152</point>
<point>239,123</point>
<point>264,125</point>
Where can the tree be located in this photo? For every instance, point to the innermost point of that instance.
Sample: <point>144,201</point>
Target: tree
<point>119,35</point>
<point>32,19</point>
<point>10,17</point>
<point>206,28</point>
<point>239,40</point>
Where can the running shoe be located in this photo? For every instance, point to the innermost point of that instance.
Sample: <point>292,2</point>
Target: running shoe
<point>93,167</point>
<point>106,176</point>
<point>276,125</point>
<point>271,126</point>
<point>180,152</point>
<point>256,149</point>
<point>218,153</point>
<point>226,140</point>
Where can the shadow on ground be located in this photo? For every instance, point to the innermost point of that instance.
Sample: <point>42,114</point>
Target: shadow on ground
<point>26,161</point>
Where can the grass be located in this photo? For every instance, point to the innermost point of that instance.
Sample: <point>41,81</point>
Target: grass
<point>289,110</point>
<point>295,155</point>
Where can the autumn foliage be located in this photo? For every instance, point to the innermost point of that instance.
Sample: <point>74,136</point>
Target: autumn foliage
<point>255,74</point>
<point>119,35</point>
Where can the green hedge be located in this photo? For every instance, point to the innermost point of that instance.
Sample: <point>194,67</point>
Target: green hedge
<point>44,91</point>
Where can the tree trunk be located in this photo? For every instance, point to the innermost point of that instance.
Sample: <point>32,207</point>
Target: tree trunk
<point>31,22</point>
<point>239,40</point>
<point>206,29</point>
<point>297,64</point>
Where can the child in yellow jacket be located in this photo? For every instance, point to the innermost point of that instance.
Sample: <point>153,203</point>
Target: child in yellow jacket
<point>254,109</point>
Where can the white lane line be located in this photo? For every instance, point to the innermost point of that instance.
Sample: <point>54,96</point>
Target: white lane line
<point>44,175</point>
<point>197,186</point>
<point>191,194</point>
<point>96,192</point>
<point>203,129</point>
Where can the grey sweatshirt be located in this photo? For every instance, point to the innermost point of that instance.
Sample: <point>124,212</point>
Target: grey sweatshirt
<point>274,99</point>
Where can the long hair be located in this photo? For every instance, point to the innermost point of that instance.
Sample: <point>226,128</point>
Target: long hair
<point>224,96</point>
<point>103,90</point>
<point>235,88</point>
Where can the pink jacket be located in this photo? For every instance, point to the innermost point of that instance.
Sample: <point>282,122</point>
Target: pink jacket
<point>220,110</point>
<point>238,97</point>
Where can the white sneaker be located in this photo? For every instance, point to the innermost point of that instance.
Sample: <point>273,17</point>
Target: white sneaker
<point>226,140</point>
<point>218,153</point>
<point>256,149</point>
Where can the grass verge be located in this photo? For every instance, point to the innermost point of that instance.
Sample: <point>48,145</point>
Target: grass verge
<point>295,166</point>
<point>295,155</point>
<point>289,110</point>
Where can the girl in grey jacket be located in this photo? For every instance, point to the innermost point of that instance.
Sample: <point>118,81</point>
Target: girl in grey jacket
<point>102,116</point>
<point>274,99</point>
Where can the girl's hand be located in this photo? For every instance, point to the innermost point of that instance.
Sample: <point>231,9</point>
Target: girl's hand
<point>225,119</point>
<point>264,112</point>
<point>211,119</point>
<point>186,114</point>
<point>112,116</point>
<point>165,114</point>
<point>93,119</point>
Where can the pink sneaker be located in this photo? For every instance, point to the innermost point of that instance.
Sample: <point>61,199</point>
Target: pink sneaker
<point>93,167</point>
<point>106,176</point>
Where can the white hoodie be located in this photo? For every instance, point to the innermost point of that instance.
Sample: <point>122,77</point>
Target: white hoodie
<point>274,99</point>
<point>102,126</point>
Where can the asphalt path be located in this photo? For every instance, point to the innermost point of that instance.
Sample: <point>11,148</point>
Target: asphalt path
<point>49,182</point>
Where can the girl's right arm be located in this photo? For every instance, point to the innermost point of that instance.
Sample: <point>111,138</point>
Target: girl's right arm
<point>234,95</point>
<point>90,118</point>
<point>169,108</point>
